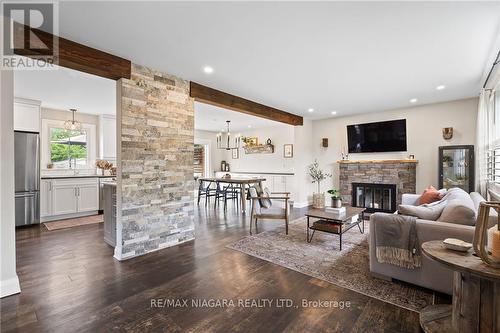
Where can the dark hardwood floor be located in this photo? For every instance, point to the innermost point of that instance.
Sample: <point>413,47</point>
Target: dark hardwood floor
<point>71,283</point>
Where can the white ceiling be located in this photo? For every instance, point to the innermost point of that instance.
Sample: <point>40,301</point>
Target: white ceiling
<point>213,118</point>
<point>352,57</point>
<point>64,89</point>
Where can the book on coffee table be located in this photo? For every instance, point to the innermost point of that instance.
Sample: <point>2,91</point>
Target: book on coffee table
<point>340,210</point>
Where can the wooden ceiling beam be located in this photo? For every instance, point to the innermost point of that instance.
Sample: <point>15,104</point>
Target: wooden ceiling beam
<point>221,99</point>
<point>72,55</point>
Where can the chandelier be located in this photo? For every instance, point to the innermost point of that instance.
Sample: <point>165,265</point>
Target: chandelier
<point>225,143</point>
<point>72,125</point>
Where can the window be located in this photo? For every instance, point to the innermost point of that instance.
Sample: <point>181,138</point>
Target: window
<point>199,161</point>
<point>68,149</point>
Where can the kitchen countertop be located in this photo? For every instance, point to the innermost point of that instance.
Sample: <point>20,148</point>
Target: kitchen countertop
<point>75,176</point>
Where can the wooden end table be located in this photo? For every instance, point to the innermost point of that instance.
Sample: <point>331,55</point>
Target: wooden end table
<point>476,294</point>
<point>335,223</point>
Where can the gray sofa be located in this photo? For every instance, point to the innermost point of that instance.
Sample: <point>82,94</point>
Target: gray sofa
<point>431,275</point>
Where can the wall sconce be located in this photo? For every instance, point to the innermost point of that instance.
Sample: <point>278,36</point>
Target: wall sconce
<point>447,133</point>
<point>324,142</point>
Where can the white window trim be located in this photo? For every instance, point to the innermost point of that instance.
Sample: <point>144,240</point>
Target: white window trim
<point>208,163</point>
<point>45,142</point>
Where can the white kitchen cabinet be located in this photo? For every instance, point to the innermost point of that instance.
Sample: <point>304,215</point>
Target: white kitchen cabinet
<point>26,115</point>
<point>64,199</point>
<point>68,197</point>
<point>107,135</point>
<point>88,197</point>
<point>45,198</point>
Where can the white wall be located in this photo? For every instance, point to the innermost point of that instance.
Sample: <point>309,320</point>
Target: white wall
<point>279,135</point>
<point>216,155</point>
<point>9,282</point>
<point>424,136</point>
<point>303,157</point>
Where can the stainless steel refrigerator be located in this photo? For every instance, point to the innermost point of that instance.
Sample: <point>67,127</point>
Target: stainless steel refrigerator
<point>27,177</point>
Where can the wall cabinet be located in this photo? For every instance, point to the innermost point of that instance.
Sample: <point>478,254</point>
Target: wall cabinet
<point>26,115</point>
<point>68,196</point>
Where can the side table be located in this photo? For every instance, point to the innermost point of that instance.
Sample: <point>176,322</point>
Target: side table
<point>476,294</point>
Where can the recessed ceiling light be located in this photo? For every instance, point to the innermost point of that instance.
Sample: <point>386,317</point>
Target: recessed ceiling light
<point>334,113</point>
<point>440,87</point>
<point>310,110</point>
<point>413,100</point>
<point>208,70</point>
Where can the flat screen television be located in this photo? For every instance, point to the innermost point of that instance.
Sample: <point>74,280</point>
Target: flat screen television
<point>384,136</point>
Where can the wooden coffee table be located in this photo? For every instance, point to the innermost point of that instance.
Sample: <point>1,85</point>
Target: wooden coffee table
<point>335,223</point>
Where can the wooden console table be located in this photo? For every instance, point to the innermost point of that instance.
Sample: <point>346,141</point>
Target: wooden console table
<point>476,294</point>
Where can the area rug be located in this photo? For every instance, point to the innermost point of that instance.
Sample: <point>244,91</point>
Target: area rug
<point>69,223</point>
<point>322,259</point>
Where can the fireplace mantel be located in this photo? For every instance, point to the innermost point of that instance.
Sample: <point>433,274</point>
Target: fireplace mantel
<point>375,161</point>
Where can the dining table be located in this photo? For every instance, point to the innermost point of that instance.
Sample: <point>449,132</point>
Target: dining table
<point>242,182</point>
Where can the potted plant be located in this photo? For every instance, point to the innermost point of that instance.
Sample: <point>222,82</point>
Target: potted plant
<point>318,176</point>
<point>336,198</point>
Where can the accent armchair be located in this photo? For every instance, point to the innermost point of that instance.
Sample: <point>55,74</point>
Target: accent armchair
<point>262,206</point>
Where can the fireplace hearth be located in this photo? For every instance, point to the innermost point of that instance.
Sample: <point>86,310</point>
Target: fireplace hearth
<point>374,197</point>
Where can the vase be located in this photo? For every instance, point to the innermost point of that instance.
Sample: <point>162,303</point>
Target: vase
<point>319,200</point>
<point>336,203</point>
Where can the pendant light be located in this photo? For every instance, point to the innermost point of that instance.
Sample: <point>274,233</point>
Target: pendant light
<point>72,125</point>
<point>225,143</point>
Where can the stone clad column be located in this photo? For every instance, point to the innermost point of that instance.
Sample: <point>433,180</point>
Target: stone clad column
<point>156,152</point>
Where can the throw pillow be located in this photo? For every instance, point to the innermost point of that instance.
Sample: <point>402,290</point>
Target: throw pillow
<point>460,208</point>
<point>430,195</point>
<point>266,202</point>
<point>425,212</point>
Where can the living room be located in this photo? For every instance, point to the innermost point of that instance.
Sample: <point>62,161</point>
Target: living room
<point>340,116</point>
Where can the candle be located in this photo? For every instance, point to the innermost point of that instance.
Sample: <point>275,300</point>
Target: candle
<point>495,243</point>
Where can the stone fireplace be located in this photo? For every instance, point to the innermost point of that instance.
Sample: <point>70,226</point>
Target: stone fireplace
<point>398,174</point>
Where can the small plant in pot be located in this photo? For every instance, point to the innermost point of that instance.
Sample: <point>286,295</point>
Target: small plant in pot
<point>336,198</point>
<point>318,176</point>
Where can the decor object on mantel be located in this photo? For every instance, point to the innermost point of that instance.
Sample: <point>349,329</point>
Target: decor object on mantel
<point>318,176</point>
<point>481,234</point>
<point>225,143</point>
<point>344,155</point>
<point>105,167</point>
<point>336,198</point>
<point>72,125</point>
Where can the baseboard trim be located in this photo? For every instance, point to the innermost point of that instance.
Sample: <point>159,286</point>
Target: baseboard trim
<point>10,287</point>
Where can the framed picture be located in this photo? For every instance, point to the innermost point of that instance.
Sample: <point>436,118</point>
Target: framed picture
<point>288,151</point>
<point>235,153</point>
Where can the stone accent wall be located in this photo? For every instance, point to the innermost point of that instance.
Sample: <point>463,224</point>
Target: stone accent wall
<point>157,143</point>
<point>401,174</point>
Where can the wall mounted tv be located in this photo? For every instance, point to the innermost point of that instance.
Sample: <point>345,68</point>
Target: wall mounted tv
<point>377,137</point>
